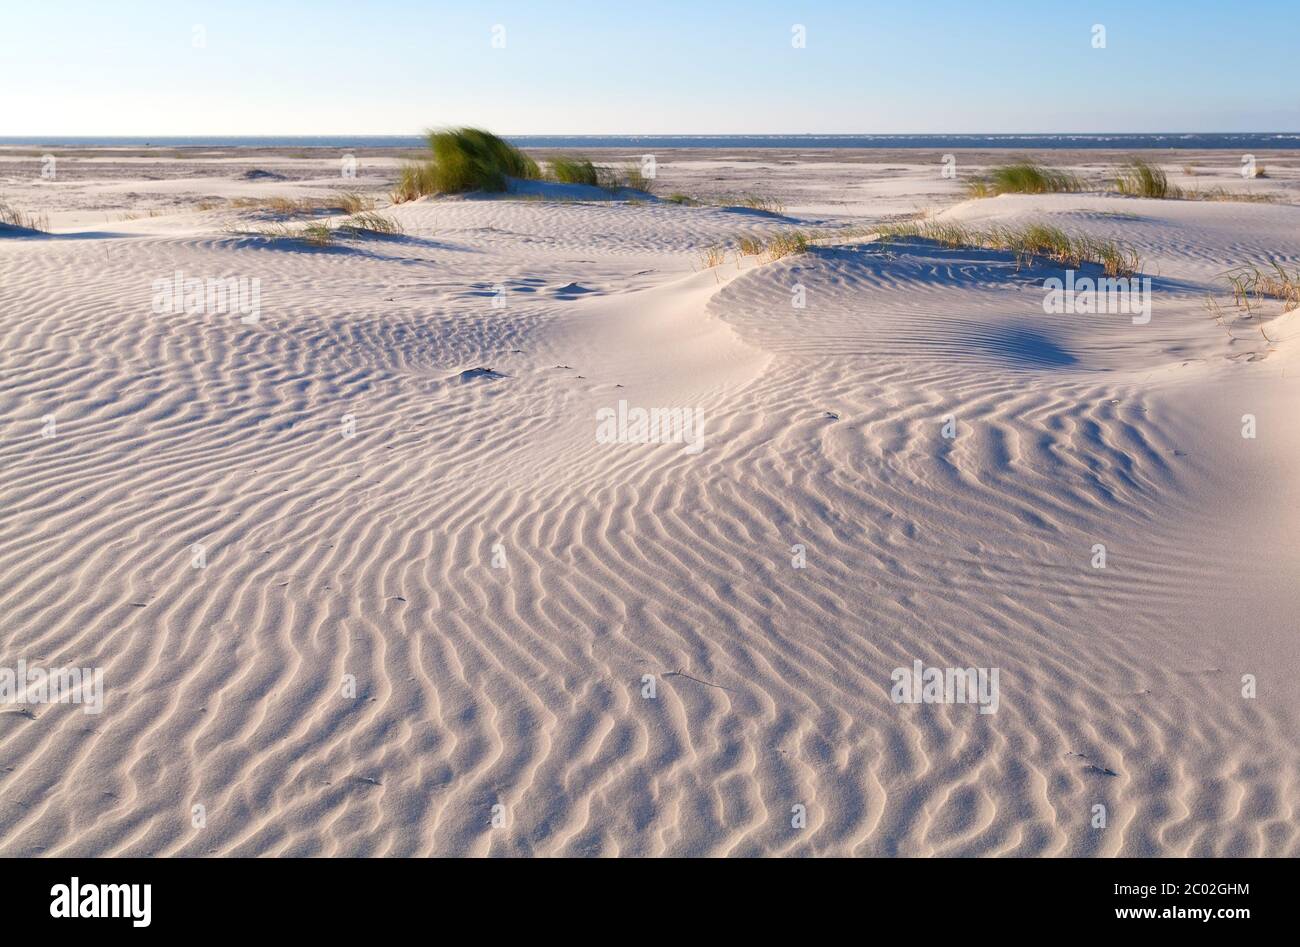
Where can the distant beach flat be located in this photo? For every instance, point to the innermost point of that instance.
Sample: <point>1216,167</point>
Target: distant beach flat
<point>1195,141</point>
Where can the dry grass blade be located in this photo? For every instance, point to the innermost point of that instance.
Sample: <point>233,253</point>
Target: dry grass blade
<point>713,256</point>
<point>15,218</point>
<point>1250,284</point>
<point>1027,243</point>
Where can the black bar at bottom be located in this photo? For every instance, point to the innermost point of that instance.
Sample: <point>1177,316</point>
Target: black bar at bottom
<point>338,897</point>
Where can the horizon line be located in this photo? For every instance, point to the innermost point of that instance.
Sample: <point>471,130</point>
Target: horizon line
<point>421,134</point>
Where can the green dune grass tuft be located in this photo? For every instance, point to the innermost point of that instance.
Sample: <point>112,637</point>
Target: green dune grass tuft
<point>464,160</point>
<point>367,223</point>
<point>571,169</point>
<point>470,159</point>
<point>415,179</point>
<point>1140,178</point>
<point>1026,178</point>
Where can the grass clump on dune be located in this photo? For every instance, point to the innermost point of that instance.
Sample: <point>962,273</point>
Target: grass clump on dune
<point>414,179</point>
<point>1052,243</point>
<point>369,223</point>
<point>464,160</point>
<point>1028,243</point>
<point>759,202</point>
<point>13,217</point>
<point>1140,178</point>
<point>349,202</point>
<point>1026,178</point>
<point>570,169</point>
<point>321,234</point>
<point>316,235</point>
<point>629,176</point>
<point>713,256</point>
<point>775,246</point>
<point>575,169</point>
<point>1224,195</point>
<point>786,243</point>
<point>1136,178</point>
<point>1251,283</point>
<point>470,159</point>
<point>636,179</point>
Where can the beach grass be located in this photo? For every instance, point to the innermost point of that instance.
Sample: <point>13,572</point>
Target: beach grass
<point>628,176</point>
<point>464,160</point>
<point>352,202</point>
<point>471,159</point>
<point>1028,243</point>
<point>370,223</point>
<point>573,169</point>
<point>786,243</point>
<point>1139,178</point>
<point>16,218</point>
<point>1252,283</point>
<point>313,234</point>
<point>771,247</point>
<point>1224,195</point>
<point>712,256</point>
<point>475,160</point>
<point>348,202</point>
<point>322,234</point>
<point>415,179</point>
<point>760,202</point>
<point>318,235</point>
<point>1026,177</point>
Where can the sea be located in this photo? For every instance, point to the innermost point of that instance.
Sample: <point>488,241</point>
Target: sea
<point>1234,141</point>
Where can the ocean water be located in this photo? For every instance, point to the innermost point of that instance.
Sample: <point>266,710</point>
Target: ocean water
<point>1244,141</point>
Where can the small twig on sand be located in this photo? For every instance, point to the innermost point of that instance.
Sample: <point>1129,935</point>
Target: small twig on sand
<point>696,680</point>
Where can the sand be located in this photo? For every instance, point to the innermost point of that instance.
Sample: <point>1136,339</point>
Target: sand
<point>432,602</point>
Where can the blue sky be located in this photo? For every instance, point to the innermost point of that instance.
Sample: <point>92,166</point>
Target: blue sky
<point>653,67</point>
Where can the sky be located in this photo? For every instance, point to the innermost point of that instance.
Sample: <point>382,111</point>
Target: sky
<point>376,67</point>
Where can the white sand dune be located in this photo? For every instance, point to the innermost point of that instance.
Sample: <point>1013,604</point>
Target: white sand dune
<point>520,686</point>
